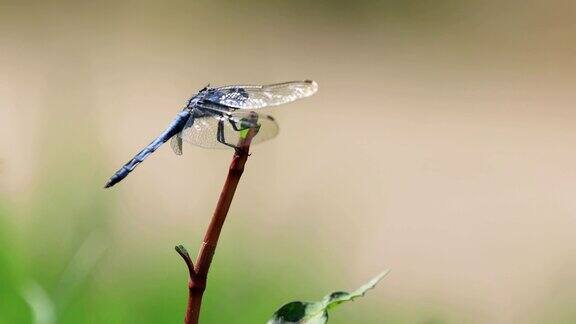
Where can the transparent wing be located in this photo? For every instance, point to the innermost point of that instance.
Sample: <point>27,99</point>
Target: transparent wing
<point>260,96</point>
<point>176,143</point>
<point>216,131</point>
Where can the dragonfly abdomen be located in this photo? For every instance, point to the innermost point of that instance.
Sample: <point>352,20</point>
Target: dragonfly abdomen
<point>175,126</point>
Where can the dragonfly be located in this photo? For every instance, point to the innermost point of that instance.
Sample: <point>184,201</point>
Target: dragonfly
<point>220,118</point>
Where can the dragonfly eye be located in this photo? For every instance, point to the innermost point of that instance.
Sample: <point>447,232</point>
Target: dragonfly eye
<point>205,88</point>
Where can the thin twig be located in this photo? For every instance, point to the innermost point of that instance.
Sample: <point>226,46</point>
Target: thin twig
<point>184,254</point>
<point>199,272</point>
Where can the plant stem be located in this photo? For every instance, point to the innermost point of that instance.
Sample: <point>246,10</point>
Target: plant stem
<point>199,271</point>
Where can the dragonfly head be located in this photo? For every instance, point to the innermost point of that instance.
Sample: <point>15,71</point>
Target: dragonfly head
<point>205,88</point>
<point>197,97</point>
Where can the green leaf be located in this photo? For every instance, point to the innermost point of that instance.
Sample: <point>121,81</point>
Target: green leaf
<point>317,312</point>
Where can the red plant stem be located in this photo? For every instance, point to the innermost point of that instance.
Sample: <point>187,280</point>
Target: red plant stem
<point>199,272</point>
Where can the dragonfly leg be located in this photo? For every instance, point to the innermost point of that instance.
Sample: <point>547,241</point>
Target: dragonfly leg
<point>245,123</point>
<point>235,127</point>
<point>220,135</point>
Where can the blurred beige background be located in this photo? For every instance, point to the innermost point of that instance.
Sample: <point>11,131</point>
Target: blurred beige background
<point>440,144</point>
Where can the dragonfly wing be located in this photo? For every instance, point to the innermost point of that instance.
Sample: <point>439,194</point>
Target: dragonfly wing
<point>176,143</point>
<point>202,131</point>
<point>215,131</point>
<point>260,96</point>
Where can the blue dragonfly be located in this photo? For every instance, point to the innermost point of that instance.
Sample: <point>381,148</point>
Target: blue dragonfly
<point>218,118</point>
